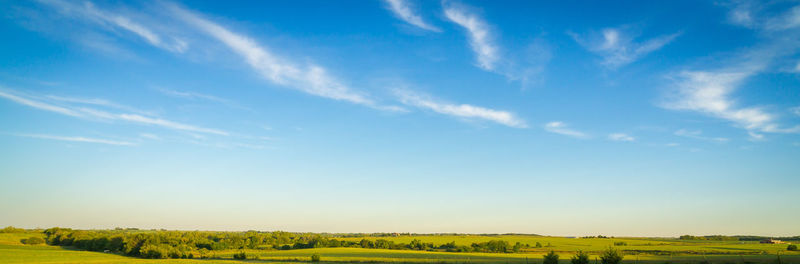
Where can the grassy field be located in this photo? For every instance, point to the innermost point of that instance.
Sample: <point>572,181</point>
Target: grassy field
<point>649,251</point>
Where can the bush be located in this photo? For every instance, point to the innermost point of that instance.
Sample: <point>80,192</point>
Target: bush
<point>153,252</point>
<point>620,243</point>
<point>315,258</point>
<point>611,256</point>
<point>538,245</point>
<point>240,255</point>
<point>551,258</point>
<point>32,241</point>
<point>791,248</point>
<point>580,258</point>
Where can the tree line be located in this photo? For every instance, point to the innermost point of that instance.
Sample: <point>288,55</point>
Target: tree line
<point>202,244</point>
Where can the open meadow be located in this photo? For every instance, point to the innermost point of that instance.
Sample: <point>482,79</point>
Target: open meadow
<point>635,250</point>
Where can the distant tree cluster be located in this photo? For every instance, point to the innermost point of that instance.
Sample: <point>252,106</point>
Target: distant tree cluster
<point>714,237</point>
<point>597,236</point>
<point>169,244</point>
<point>423,234</point>
<point>11,229</point>
<point>759,238</point>
<point>202,244</point>
<point>494,246</point>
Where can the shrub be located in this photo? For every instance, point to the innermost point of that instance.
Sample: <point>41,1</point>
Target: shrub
<point>551,258</point>
<point>580,258</point>
<point>315,258</point>
<point>203,253</point>
<point>240,255</point>
<point>791,248</point>
<point>538,245</point>
<point>153,251</point>
<point>620,243</point>
<point>32,241</point>
<point>611,256</point>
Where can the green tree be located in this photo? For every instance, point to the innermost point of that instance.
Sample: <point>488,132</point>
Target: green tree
<point>791,248</point>
<point>538,245</point>
<point>367,243</point>
<point>32,241</point>
<point>580,258</point>
<point>611,256</point>
<point>517,247</point>
<point>315,258</point>
<point>551,258</point>
<point>153,251</point>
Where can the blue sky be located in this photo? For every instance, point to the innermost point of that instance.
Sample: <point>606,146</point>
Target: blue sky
<point>560,118</point>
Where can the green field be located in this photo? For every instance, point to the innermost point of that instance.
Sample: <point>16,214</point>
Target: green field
<point>638,250</point>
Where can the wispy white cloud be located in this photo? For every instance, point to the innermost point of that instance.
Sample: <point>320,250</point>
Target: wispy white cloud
<point>525,63</point>
<point>91,113</point>
<point>479,33</point>
<point>79,139</point>
<point>39,105</point>
<point>741,15</point>
<point>166,123</point>
<point>795,110</point>
<point>787,20</point>
<point>193,95</point>
<point>200,96</point>
<point>559,127</point>
<point>403,10</point>
<point>149,136</point>
<point>697,134</point>
<point>460,110</point>
<point>710,93</point>
<point>760,16</point>
<point>755,136</point>
<point>95,101</point>
<point>89,12</point>
<point>311,79</point>
<point>617,47</point>
<point>621,137</point>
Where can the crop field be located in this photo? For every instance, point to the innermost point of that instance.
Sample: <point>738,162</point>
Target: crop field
<point>651,246</point>
<point>637,250</point>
